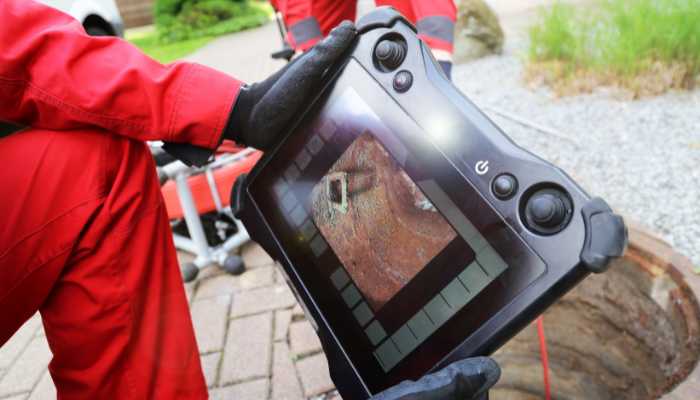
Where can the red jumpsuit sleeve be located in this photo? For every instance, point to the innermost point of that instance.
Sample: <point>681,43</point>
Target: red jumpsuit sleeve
<point>54,76</point>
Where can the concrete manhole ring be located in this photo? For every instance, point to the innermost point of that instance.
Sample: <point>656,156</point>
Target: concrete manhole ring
<point>630,333</point>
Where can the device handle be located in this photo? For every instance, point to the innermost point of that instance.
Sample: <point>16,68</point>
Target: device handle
<point>606,235</point>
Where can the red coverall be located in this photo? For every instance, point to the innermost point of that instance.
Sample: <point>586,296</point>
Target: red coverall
<point>84,236</point>
<point>308,21</point>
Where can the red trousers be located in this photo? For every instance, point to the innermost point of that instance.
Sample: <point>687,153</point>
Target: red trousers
<point>84,236</point>
<point>309,20</point>
<point>88,245</point>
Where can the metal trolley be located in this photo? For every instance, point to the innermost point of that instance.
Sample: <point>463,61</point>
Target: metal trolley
<point>202,221</point>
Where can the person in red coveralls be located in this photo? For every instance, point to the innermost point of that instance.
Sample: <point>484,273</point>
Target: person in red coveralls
<point>308,21</point>
<point>85,238</point>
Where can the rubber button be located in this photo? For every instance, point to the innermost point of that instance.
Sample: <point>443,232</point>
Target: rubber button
<point>403,81</point>
<point>390,54</point>
<point>504,186</point>
<point>547,210</point>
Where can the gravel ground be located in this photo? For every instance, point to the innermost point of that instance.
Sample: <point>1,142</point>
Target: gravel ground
<point>642,156</point>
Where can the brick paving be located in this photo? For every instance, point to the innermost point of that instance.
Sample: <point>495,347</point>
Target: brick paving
<point>303,339</point>
<point>210,317</point>
<point>45,389</point>
<point>285,382</point>
<point>26,372</point>
<point>313,372</point>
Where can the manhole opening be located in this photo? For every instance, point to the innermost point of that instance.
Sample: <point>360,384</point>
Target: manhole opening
<point>630,333</point>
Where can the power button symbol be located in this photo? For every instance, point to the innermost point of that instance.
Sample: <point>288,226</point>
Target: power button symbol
<point>481,167</point>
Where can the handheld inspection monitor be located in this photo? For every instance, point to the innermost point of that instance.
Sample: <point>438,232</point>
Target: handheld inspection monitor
<point>413,231</point>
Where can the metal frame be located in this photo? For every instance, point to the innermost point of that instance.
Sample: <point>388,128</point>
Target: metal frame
<point>197,243</point>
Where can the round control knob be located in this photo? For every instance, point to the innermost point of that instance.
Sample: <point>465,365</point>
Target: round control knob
<point>547,211</point>
<point>390,54</point>
<point>504,186</point>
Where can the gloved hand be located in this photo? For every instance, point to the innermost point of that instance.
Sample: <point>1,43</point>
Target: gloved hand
<point>463,380</point>
<point>264,110</point>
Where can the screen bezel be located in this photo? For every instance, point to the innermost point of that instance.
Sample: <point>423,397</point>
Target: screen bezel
<point>525,265</point>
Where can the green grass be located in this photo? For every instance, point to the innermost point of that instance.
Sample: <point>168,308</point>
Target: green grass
<point>212,18</point>
<point>557,36</point>
<point>621,38</point>
<point>172,42</point>
<point>149,43</point>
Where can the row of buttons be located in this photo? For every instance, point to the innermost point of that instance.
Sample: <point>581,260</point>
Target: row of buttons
<point>389,54</point>
<point>547,211</point>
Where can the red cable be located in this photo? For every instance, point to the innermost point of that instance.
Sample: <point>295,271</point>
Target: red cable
<point>544,357</point>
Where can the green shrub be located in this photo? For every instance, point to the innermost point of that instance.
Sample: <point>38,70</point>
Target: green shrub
<point>166,10</point>
<point>622,38</point>
<point>219,9</point>
<point>178,20</point>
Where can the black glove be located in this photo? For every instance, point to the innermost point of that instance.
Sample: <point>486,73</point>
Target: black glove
<point>463,380</point>
<point>265,109</point>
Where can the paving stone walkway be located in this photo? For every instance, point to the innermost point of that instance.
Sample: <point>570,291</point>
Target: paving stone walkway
<point>253,338</point>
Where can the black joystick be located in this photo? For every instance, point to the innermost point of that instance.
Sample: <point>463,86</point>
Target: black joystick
<point>547,211</point>
<point>389,54</point>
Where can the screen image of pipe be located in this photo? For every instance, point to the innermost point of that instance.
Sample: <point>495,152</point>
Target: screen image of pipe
<point>377,221</point>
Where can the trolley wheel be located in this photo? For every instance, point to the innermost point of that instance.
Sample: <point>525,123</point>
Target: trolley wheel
<point>234,265</point>
<point>189,272</point>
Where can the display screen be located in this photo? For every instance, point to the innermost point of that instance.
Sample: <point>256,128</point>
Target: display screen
<point>378,222</point>
<point>403,270</point>
<point>384,230</point>
<point>402,256</point>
